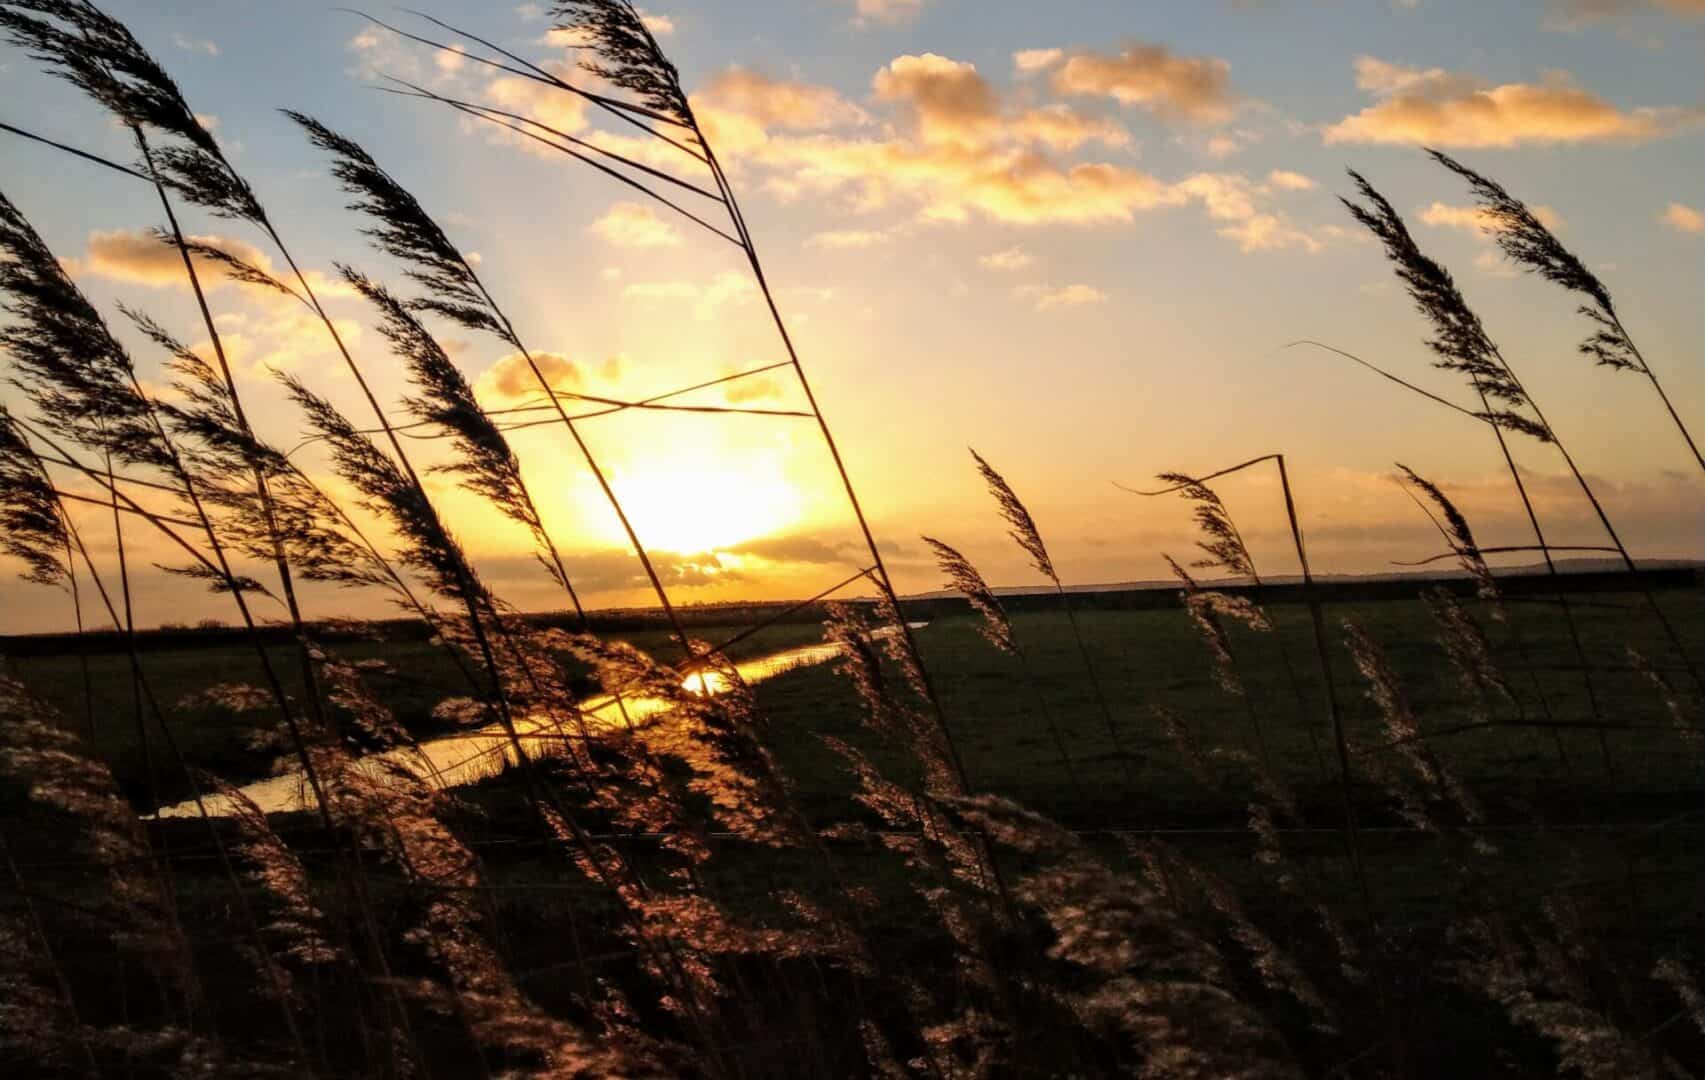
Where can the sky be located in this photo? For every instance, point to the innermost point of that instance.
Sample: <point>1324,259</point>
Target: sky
<point>1077,237</point>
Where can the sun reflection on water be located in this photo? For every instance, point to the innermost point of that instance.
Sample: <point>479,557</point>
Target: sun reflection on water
<point>705,683</point>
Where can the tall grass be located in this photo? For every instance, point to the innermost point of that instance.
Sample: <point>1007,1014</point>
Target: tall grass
<point>685,893</point>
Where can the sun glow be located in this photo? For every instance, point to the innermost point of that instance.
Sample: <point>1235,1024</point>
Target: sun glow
<point>696,507</point>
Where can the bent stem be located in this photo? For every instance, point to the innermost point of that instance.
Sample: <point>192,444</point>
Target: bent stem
<point>1544,548</point>
<point>1323,656</point>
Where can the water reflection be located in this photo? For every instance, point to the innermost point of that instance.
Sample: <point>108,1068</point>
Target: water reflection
<point>468,756</point>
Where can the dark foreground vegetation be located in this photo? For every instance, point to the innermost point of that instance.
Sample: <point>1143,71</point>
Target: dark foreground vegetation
<point>1446,835</point>
<point>1582,846</point>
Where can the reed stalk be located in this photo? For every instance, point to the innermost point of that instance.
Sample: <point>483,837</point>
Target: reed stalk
<point>1028,537</point>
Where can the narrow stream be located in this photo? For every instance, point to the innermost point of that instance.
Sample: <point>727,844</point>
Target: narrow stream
<point>467,756</point>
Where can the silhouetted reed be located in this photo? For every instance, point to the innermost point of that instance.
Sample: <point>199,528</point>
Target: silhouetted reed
<point>622,50</point>
<point>1461,344</point>
<point>1528,243</point>
<point>1147,977</point>
<point>453,290</point>
<point>1024,533</point>
<point>996,627</point>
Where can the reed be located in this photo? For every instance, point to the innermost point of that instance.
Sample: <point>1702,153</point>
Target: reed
<point>1022,528</point>
<point>1528,243</point>
<point>997,629</point>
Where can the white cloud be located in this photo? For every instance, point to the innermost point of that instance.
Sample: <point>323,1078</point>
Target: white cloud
<point>196,45</point>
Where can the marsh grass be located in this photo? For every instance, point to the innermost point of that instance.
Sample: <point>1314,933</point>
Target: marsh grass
<point>860,871</point>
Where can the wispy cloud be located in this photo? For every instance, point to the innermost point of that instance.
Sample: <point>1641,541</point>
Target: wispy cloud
<point>849,238</point>
<point>1013,258</point>
<point>1051,298</point>
<point>203,46</point>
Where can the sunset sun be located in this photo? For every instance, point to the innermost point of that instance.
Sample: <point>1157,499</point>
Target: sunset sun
<point>693,507</point>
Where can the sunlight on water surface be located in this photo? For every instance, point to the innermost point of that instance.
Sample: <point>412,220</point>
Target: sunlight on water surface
<point>465,757</point>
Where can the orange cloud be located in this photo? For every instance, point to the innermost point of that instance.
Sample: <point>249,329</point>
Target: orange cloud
<point>1443,108</point>
<point>739,108</point>
<point>1286,180</point>
<point>1179,89</point>
<point>632,225</point>
<point>140,257</point>
<point>510,379</point>
<point>955,148</point>
<point>1474,219</point>
<point>1684,218</point>
<point>951,103</point>
<point>777,103</point>
<point>958,150</point>
<point>1030,61</point>
<point>545,104</point>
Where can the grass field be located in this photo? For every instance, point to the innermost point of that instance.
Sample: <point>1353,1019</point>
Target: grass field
<point>1558,815</point>
<point>1144,660</point>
